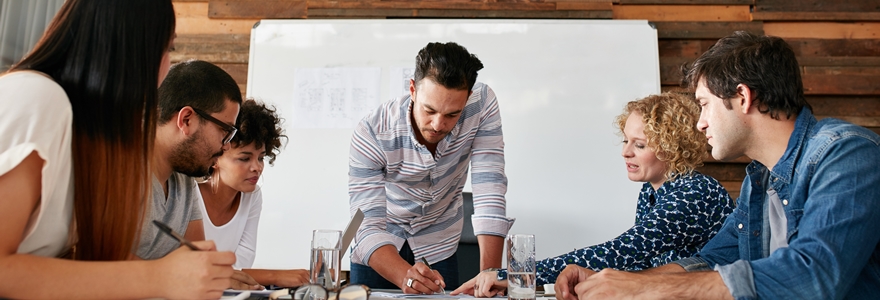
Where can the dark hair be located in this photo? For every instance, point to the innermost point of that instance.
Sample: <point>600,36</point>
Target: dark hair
<point>198,84</point>
<point>766,64</point>
<point>449,64</point>
<point>260,125</point>
<point>106,55</point>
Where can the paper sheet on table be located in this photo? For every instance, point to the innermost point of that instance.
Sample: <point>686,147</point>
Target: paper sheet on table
<point>261,293</point>
<point>418,296</point>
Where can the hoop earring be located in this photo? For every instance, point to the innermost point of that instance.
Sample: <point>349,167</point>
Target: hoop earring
<point>215,181</point>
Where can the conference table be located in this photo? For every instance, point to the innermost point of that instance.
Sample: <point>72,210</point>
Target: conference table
<point>379,294</point>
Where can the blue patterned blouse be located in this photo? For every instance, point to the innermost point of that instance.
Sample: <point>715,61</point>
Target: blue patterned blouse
<point>672,222</point>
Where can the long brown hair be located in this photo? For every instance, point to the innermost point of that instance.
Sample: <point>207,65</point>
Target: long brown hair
<point>106,55</point>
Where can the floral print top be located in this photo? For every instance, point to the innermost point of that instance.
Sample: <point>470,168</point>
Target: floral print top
<point>672,223</point>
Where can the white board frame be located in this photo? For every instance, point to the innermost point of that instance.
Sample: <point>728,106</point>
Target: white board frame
<point>559,83</point>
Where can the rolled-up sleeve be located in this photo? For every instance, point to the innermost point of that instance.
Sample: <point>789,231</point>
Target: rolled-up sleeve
<point>487,172</point>
<point>738,279</point>
<point>366,190</point>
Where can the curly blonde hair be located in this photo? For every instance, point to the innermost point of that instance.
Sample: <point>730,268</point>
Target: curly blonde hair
<point>671,128</point>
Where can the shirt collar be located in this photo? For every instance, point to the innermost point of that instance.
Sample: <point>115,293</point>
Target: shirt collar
<point>408,107</point>
<point>784,169</point>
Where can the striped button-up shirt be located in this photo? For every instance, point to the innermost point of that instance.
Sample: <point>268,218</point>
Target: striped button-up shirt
<point>409,195</point>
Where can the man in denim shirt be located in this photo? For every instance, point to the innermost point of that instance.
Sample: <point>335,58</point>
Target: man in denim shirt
<point>807,225</point>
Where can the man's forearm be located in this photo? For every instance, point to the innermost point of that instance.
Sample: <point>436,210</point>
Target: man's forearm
<point>694,285</point>
<point>667,268</point>
<point>491,247</point>
<point>610,283</point>
<point>388,263</point>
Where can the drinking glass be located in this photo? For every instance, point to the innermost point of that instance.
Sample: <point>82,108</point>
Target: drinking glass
<point>324,263</point>
<point>521,266</point>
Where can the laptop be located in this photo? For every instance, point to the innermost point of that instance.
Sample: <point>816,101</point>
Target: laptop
<point>350,231</point>
<point>344,243</point>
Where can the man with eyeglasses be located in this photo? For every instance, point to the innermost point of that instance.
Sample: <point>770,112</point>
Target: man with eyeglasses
<point>198,107</point>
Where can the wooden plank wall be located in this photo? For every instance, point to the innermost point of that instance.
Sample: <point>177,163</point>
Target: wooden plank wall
<point>837,42</point>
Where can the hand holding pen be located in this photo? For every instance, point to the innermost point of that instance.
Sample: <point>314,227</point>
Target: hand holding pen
<point>421,279</point>
<point>194,271</point>
<point>442,290</point>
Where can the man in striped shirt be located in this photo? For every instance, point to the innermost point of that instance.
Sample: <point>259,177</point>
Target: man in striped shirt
<point>408,164</point>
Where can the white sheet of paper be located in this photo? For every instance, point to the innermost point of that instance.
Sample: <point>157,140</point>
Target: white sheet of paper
<point>333,97</point>
<point>397,295</point>
<point>398,81</point>
<point>230,293</point>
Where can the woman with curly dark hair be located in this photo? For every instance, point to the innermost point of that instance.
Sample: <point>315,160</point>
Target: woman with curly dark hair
<point>232,200</point>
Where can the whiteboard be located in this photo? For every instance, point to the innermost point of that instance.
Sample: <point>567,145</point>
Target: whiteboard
<point>559,86</point>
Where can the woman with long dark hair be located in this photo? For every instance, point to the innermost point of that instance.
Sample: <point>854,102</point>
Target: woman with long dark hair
<point>77,125</point>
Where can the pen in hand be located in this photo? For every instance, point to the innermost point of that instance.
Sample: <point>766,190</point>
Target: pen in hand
<point>164,228</point>
<point>425,261</point>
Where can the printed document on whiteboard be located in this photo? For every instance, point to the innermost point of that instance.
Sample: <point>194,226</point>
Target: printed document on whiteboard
<point>333,97</point>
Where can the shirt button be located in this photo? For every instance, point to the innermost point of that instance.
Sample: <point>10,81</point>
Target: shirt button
<point>740,226</point>
<point>785,202</point>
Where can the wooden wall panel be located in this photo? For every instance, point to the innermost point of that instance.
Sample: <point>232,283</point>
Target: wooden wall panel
<point>704,30</point>
<point>820,84</point>
<point>725,171</point>
<point>261,9</point>
<point>451,5</point>
<point>818,5</point>
<point>237,71</point>
<point>233,9</point>
<point>817,10</point>
<point>216,48</point>
<point>858,106</point>
<point>835,47</point>
<point>733,188</point>
<point>816,16</point>
<point>452,13</point>
<point>824,30</point>
<point>192,18</point>
<point>837,43</point>
<point>710,2</point>
<point>679,13</point>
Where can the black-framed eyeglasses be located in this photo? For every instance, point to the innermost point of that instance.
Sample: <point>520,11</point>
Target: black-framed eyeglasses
<point>318,292</point>
<point>230,130</point>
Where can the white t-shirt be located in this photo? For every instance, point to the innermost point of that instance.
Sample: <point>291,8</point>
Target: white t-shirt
<point>240,233</point>
<point>35,115</point>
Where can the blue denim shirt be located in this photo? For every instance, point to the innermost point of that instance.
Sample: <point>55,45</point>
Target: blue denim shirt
<point>828,180</point>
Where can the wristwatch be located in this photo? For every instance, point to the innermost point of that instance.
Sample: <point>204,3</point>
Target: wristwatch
<point>500,274</point>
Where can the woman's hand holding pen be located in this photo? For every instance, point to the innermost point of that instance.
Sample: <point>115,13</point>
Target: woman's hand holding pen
<point>190,274</point>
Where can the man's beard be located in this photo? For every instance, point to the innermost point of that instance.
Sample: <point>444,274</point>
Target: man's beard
<point>188,158</point>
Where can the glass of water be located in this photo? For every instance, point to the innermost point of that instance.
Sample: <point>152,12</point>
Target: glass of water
<point>521,266</point>
<point>324,263</point>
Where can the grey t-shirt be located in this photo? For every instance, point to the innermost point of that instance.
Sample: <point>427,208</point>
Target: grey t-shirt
<point>177,210</point>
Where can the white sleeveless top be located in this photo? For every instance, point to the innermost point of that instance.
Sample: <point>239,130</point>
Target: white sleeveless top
<point>36,116</point>
<point>239,235</point>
